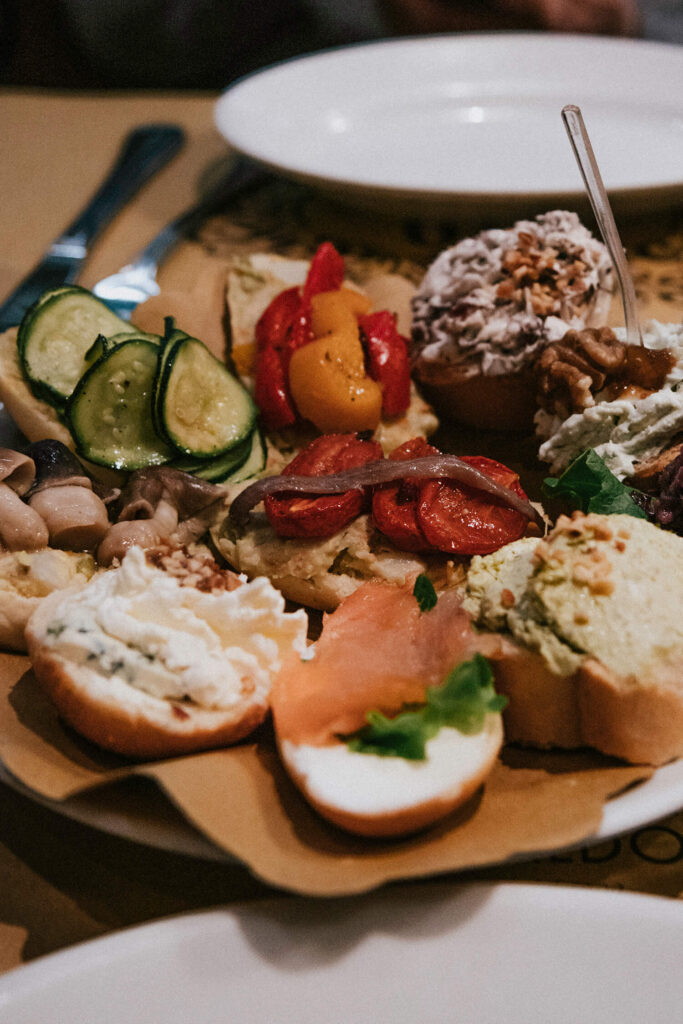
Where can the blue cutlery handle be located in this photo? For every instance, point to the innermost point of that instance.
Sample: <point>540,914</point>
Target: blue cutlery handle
<point>145,151</point>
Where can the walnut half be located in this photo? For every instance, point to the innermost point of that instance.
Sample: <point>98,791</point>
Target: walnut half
<point>570,372</point>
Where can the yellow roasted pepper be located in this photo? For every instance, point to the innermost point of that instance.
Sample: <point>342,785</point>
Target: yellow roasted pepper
<point>329,385</point>
<point>327,377</point>
<point>334,311</point>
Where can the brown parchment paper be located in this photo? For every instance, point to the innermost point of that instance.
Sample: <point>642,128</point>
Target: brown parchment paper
<point>244,802</point>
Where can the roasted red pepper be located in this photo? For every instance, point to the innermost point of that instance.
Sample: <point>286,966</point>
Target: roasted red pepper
<point>271,390</point>
<point>326,272</point>
<point>275,323</point>
<point>285,326</point>
<point>387,360</point>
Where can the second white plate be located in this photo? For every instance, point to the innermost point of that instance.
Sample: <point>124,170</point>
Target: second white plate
<point>480,954</point>
<point>473,117</point>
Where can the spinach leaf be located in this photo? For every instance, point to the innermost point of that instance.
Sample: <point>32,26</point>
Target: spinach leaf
<point>589,485</point>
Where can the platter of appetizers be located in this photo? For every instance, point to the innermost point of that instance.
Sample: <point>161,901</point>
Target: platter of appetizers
<point>466,117</point>
<point>178,520</point>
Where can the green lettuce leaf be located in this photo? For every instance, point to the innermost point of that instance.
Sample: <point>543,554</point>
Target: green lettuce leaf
<point>461,702</point>
<point>590,486</point>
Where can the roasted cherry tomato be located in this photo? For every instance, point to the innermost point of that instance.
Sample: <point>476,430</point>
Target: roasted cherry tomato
<point>463,521</point>
<point>297,515</point>
<point>394,506</point>
<point>387,360</point>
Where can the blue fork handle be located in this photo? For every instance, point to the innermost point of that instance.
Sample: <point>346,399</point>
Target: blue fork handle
<point>144,152</point>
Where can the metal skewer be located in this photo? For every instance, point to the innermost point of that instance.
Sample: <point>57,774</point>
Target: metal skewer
<point>585,157</point>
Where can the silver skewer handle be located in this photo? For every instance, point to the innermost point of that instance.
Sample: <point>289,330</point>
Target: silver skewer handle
<point>585,157</point>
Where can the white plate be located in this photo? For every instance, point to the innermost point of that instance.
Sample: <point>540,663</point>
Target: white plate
<point>474,118</point>
<point>478,954</point>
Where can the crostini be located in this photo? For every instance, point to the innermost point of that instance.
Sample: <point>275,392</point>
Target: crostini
<point>391,722</point>
<point>591,618</point>
<point>166,654</point>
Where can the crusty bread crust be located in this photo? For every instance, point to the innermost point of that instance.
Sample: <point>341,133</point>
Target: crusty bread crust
<point>324,593</point>
<point>543,708</point>
<point>637,720</point>
<point>414,816</point>
<point>149,727</point>
<point>37,420</point>
<point>15,611</point>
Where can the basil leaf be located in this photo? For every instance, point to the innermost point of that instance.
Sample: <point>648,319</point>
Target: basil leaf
<point>424,593</point>
<point>589,485</point>
<point>461,702</point>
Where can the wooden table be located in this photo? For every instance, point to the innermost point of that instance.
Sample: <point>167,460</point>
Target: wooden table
<point>62,881</point>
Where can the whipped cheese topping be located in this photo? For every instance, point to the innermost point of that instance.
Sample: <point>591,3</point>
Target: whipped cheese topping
<point>491,301</point>
<point>627,430</point>
<point>142,625</point>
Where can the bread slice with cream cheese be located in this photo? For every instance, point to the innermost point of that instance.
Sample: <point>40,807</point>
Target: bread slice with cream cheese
<point>591,618</point>
<point>166,654</point>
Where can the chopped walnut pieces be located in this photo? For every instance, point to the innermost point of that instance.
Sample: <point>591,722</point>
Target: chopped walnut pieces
<point>541,552</point>
<point>594,571</point>
<point>193,569</point>
<point>601,531</point>
<point>572,371</point>
<point>539,279</point>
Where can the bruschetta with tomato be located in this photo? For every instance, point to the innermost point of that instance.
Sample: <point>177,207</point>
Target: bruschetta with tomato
<point>342,513</point>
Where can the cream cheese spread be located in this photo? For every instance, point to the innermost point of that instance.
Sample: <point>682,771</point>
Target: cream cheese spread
<point>607,587</point>
<point>142,625</point>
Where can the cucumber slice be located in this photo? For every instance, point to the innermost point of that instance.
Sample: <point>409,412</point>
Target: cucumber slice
<point>55,335</point>
<point>168,343</point>
<point>103,344</point>
<point>221,466</point>
<point>254,464</point>
<point>116,339</point>
<point>200,407</point>
<point>99,346</point>
<point>109,412</point>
